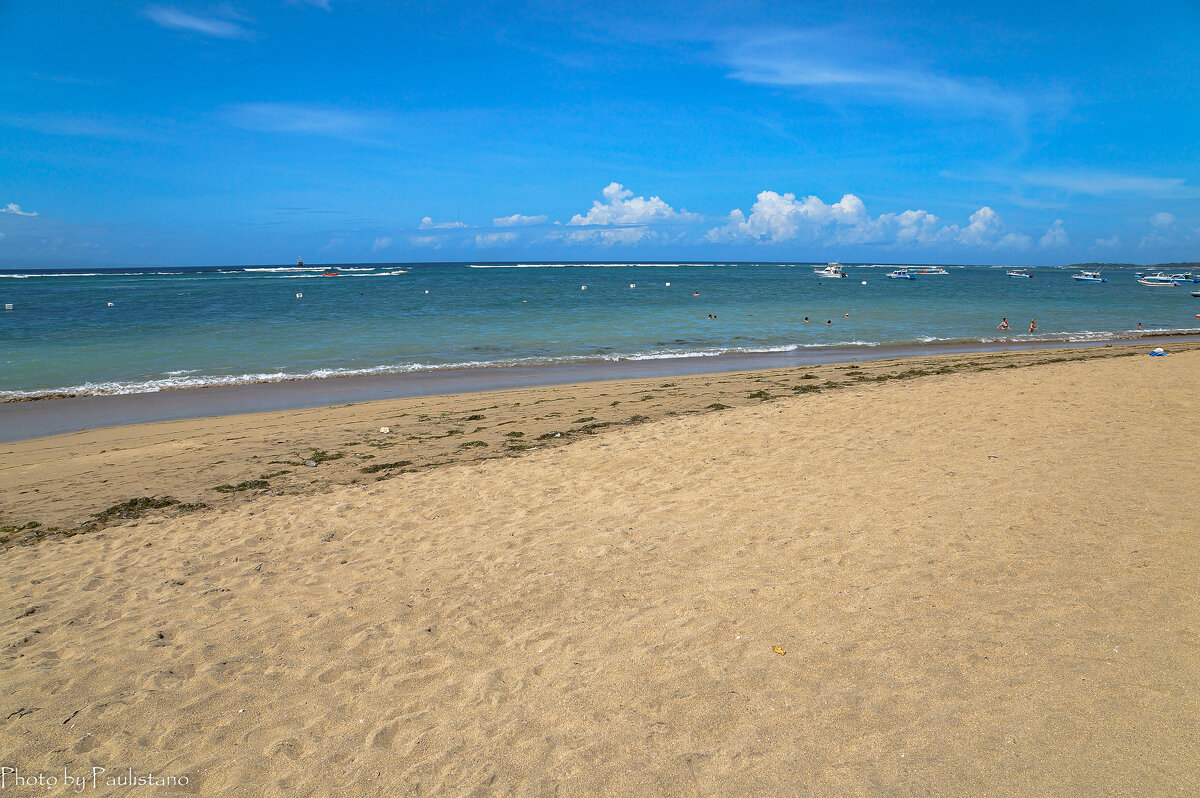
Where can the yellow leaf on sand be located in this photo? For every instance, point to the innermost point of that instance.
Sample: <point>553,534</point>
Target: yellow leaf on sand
<point>778,650</point>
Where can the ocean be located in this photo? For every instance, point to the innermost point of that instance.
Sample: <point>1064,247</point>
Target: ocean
<point>174,328</point>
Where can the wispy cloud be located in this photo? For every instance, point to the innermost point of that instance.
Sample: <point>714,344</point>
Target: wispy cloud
<point>13,207</point>
<point>383,242</point>
<point>841,66</point>
<point>494,239</point>
<point>224,26</point>
<point>299,118</point>
<point>1109,183</point>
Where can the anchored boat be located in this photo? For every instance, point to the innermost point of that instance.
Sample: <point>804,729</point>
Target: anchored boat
<point>1020,274</point>
<point>831,270</point>
<point>1089,277</point>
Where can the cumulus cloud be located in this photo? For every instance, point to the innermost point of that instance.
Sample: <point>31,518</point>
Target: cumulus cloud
<point>622,218</point>
<point>383,242</point>
<point>1055,236</point>
<point>494,239</point>
<point>13,207</point>
<point>1108,242</point>
<point>1160,220</point>
<point>427,223</point>
<point>223,27</point>
<point>517,220</point>
<point>776,218</point>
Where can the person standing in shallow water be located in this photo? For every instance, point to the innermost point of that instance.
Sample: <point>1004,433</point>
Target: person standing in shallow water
<point>1032,325</point>
<point>1003,325</point>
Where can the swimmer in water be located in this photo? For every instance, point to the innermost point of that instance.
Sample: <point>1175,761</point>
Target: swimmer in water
<point>1003,325</point>
<point>1032,325</point>
<point>806,319</point>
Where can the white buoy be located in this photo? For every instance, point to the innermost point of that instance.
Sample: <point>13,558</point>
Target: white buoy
<point>864,282</point>
<point>299,296</point>
<point>427,290</point>
<point>668,285</point>
<point>8,306</point>
<point>633,285</point>
<point>111,305</point>
<point>583,288</point>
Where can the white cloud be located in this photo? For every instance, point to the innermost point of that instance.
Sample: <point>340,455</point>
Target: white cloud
<point>494,239</point>
<point>622,218</point>
<point>13,207</point>
<point>1160,220</point>
<point>1055,236</point>
<point>427,223</point>
<point>775,218</point>
<point>1104,183</point>
<point>517,220</point>
<point>1108,242</point>
<point>223,28</point>
<point>778,217</point>
<point>383,242</point>
<point>434,242</point>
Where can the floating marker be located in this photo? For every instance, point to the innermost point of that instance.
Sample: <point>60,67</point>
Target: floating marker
<point>427,290</point>
<point>583,288</point>
<point>8,306</point>
<point>633,285</point>
<point>299,296</point>
<point>111,305</point>
<point>668,285</point>
<point>864,282</point>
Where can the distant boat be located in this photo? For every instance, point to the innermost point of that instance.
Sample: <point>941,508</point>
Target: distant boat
<point>1158,279</point>
<point>901,274</point>
<point>1186,277</point>
<point>1021,273</point>
<point>831,270</point>
<point>1196,293</point>
<point>1089,277</point>
<point>931,270</point>
<point>329,273</point>
<point>299,262</point>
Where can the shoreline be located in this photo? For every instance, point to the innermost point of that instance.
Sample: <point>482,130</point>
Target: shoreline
<point>25,418</point>
<point>80,481</point>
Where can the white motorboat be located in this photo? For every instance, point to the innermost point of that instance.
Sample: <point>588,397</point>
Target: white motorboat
<point>901,274</point>
<point>1020,273</point>
<point>1157,279</point>
<point>1089,277</point>
<point>924,270</point>
<point>831,270</point>
<point>1186,277</point>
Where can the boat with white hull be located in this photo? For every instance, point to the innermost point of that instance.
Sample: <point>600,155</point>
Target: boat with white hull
<point>831,271</point>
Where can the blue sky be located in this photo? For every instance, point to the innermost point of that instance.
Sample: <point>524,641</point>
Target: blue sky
<point>194,133</point>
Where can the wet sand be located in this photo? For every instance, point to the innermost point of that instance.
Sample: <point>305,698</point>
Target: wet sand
<point>968,575</point>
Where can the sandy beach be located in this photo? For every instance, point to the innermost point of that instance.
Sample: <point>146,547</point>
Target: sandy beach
<point>959,575</point>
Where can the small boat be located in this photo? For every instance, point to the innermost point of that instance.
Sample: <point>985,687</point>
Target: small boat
<point>831,270</point>
<point>931,270</point>
<point>901,274</point>
<point>1089,277</point>
<point>1020,273</point>
<point>1158,279</point>
<point>1196,293</point>
<point>329,273</point>
<point>300,262</point>
<point>1186,277</point>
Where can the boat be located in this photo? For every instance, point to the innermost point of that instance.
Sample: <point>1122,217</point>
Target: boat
<point>300,263</point>
<point>1021,273</point>
<point>1186,277</point>
<point>1157,279</point>
<point>931,270</point>
<point>1196,293</point>
<point>831,270</point>
<point>1089,277</point>
<point>901,274</point>
<point>329,273</point>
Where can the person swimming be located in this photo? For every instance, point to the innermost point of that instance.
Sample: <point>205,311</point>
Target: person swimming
<point>1032,325</point>
<point>1003,325</point>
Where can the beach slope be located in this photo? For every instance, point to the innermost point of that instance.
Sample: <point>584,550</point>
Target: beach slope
<point>963,584</point>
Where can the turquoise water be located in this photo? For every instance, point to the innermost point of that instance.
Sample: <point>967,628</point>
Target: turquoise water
<point>175,328</point>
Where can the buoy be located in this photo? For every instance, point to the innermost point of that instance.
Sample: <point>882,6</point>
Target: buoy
<point>583,288</point>
<point>111,305</point>
<point>696,294</point>
<point>633,285</point>
<point>864,282</point>
<point>427,290</point>
<point>668,285</point>
<point>299,296</point>
<point>8,306</point>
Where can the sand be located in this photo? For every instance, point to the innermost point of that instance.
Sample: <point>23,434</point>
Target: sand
<point>981,583</point>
